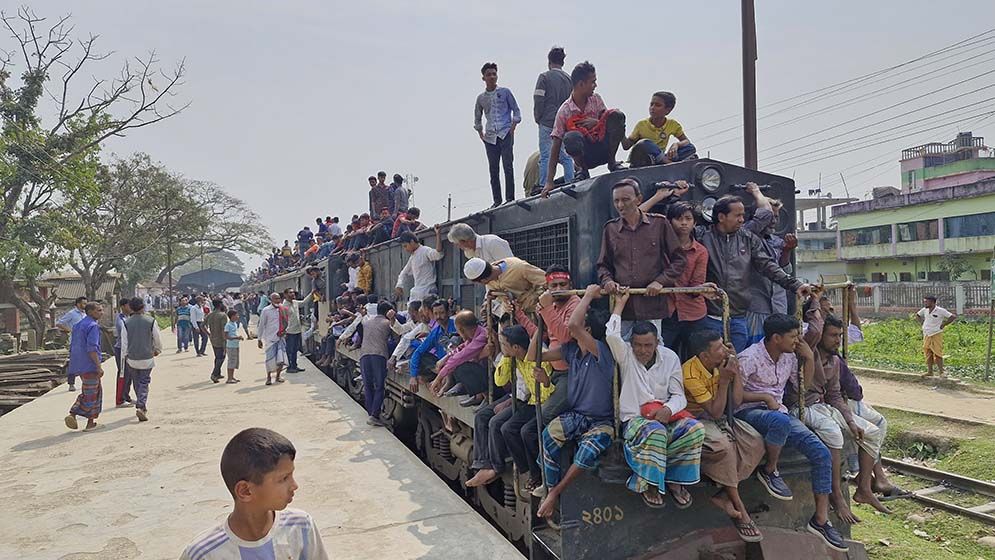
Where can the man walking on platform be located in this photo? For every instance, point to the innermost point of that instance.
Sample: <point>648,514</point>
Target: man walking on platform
<point>294,342</point>
<point>85,362</point>
<point>272,329</point>
<point>215,322</point>
<point>199,331</point>
<point>122,395</point>
<point>66,324</point>
<point>140,344</point>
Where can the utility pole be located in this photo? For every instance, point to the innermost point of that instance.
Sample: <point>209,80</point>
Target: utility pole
<point>749,84</point>
<point>169,267</point>
<point>991,319</point>
<point>449,208</point>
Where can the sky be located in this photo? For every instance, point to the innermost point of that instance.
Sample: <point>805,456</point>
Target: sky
<point>294,104</point>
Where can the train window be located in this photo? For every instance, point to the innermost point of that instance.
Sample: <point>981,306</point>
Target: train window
<point>542,246</point>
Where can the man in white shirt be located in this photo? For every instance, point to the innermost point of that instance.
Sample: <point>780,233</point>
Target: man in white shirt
<point>420,267</point>
<point>662,440</point>
<point>410,332</point>
<point>294,331</point>
<point>272,329</point>
<point>933,319</point>
<point>199,330</point>
<point>490,248</point>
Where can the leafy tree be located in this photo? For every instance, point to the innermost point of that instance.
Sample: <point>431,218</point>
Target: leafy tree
<point>955,265</point>
<point>46,168</point>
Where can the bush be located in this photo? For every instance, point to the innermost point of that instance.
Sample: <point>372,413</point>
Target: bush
<point>897,344</point>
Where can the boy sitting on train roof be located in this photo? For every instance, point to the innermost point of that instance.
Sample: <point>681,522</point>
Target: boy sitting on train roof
<point>732,448</point>
<point>662,440</point>
<point>590,406</point>
<point>650,137</point>
<point>766,368</point>
<point>500,428</point>
<point>827,414</point>
<point>585,127</point>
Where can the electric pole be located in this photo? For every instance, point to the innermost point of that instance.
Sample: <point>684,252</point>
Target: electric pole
<point>749,84</point>
<point>449,208</point>
<point>169,266</point>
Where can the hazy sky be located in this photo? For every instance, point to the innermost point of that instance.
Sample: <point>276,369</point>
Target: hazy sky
<point>294,104</point>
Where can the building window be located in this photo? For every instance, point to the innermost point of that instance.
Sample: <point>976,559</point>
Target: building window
<point>918,231</point>
<point>905,276</point>
<point>938,276</point>
<point>986,274</point>
<point>817,244</point>
<point>879,277</point>
<point>969,226</point>
<point>867,236</point>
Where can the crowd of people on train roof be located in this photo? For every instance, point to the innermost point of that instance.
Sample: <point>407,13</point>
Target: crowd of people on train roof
<point>548,347</point>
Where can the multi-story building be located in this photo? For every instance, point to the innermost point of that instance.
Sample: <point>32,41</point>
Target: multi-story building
<point>941,224</point>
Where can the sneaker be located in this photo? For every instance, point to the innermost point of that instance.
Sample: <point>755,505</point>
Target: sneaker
<point>126,404</point>
<point>829,535</point>
<point>775,485</point>
<point>72,387</point>
<point>142,415</point>
<point>375,422</point>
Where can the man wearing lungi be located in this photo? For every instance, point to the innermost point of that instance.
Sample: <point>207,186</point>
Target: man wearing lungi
<point>84,362</point>
<point>272,331</point>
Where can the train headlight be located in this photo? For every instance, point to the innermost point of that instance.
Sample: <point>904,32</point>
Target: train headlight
<point>706,208</point>
<point>710,179</point>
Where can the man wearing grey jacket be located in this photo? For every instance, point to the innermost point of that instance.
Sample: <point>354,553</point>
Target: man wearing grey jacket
<point>552,88</point>
<point>140,344</point>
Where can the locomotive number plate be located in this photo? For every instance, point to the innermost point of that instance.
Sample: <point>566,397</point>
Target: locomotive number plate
<point>602,515</point>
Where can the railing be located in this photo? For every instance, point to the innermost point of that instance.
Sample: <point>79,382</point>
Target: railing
<point>902,298</point>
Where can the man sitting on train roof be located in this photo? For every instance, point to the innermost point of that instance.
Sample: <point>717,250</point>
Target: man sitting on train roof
<point>511,275</point>
<point>827,414</point>
<point>662,440</point>
<point>426,356</point>
<point>766,368</point>
<point>733,251</point>
<point>585,127</point>
<point>420,266</point>
<point>590,404</point>
<point>639,250</point>
<point>732,448</point>
<point>499,428</point>
<point>466,363</point>
<point>488,247</point>
<point>650,137</point>
<point>555,312</point>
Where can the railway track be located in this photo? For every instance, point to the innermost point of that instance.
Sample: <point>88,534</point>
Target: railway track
<point>946,482</point>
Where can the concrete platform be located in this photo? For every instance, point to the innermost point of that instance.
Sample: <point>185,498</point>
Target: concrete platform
<point>143,491</point>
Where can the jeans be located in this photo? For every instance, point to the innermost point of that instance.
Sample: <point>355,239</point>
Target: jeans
<point>374,371</point>
<point>782,429</point>
<point>183,329</point>
<point>489,450</point>
<point>293,347</point>
<point>219,360</point>
<point>199,340</point>
<point>587,153</point>
<point>646,152</point>
<point>142,378</point>
<point>545,144</point>
<point>501,151</point>
<point>556,404</point>
<point>473,376</point>
<point>521,439</point>
<point>737,330</point>
<point>675,334</point>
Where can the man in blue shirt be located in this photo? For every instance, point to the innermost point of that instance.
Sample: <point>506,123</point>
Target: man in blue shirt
<point>433,348</point>
<point>503,115</point>
<point>66,324</point>
<point>85,362</point>
<point>590,415</point>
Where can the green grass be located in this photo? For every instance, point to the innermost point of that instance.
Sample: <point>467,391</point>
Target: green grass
<point>897,344</point>
<point>162,321</point>
<point>960,448</point>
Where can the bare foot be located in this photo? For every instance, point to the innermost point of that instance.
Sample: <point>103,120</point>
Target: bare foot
<point>870,499</point>
<point>721,501</point>
<point>843,510</point>
<point>548,504</point>
<point>483,476</point>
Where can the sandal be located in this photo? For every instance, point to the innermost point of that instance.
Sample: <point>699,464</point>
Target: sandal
<point>269,381</point>
<point>280,380</point>
<point>748,531</point>
<point>682,499</point>
<point>652,504</point>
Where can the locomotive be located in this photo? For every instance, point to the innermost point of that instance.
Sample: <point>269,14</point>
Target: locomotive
<point>599,517</point>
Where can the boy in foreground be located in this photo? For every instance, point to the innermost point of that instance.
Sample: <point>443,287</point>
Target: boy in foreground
<point>258,468</point>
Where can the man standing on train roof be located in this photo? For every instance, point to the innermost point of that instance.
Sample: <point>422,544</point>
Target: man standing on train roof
<point>503,115</point>
<point>488,247</point>
<point>590,411</point>
<point>420,267</point>
<point>828,415</point>
<point>515,276</point>
<point>733,251</point>
<point>378,197</point>
<point>553,87</point>
<point>322,226</point>
<point>639,250</point>
<point>333,226</point>
<point>400,195</point>
<point>662,441</point>
<point>589,131</point>
<point>766,368</point>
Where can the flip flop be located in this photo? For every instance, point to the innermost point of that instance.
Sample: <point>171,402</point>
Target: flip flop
<point>280,380</point>
<point>654,505</point>
<point>680,501</point>
<point>743,528</point>
<point>231,382</point>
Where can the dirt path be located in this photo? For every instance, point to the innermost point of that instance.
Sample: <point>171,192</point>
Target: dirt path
<point>919,398</point>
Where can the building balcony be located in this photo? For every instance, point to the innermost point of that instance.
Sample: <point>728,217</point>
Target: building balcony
<point>815,256</point>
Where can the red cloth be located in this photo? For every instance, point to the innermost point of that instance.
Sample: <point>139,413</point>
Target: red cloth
<point>648,410</point>
<point>595,134</point>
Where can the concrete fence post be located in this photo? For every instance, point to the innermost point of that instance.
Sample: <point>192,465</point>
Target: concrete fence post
<point>876,298</point>
<point>960,298</point>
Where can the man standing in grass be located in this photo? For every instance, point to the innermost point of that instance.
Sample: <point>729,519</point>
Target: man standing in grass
<point>933,319</point>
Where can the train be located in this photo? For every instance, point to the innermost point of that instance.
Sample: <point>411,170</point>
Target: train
<point>599,517</point>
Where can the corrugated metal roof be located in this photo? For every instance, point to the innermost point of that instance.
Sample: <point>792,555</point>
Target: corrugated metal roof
<point>68,289</point>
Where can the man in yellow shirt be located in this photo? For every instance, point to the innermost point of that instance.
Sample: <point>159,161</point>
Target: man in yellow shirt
<point>364,278</point>
<point>649,140</point>
<point>730,452</point>
<point>522,280</point>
